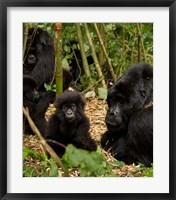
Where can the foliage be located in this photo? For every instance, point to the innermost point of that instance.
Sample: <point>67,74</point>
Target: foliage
<point>29,171</point>
<point>49,87</point>
<point>146,171</point>
<point>87,164</point>
<point>102,93</point>
<point>121,41</point>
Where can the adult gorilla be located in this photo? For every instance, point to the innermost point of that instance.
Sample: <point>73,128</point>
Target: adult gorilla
<point>129,118</point>
<point>39,59</point>
<point>39,56</point>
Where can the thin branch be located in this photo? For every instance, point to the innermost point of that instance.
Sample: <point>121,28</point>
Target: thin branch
<point>77,62</point>
<point>30,44</point>
<point>42,141</point>
<point>55,142</point>
<point>87,89</point>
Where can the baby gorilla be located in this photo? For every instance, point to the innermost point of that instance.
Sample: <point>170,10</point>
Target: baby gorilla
<point>129,118</point>
<point>30,99</point>
<point>69,125</point>
<point>37,104</point>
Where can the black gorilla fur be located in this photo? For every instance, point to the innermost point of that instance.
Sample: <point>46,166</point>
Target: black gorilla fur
<point>36,104</point>
<point>129,118</point>
<point>39,56</point>
<point>39,59</point>
<point>69,125</point>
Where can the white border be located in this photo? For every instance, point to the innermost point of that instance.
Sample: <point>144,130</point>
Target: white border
<point>160,182</point>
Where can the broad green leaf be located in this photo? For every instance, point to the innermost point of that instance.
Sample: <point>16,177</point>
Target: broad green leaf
<point>102,93</point>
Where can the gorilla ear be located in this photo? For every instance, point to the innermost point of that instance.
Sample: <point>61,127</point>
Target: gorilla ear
<point>147,73</point>
<point>82,103</point>
<point>57,101</point>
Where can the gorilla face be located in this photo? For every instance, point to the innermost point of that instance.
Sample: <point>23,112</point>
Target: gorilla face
<point>30,94</point>
<point>69,112</point>
<point>129,94</point>
<point>114,117</point>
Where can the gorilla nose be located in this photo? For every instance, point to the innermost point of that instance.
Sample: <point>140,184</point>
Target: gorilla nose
<point>69,114</point>
<point>111,111</point>
<point>31,56</point>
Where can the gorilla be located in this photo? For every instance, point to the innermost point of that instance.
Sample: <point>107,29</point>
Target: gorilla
<point>39,59</point>
<point>129,118</point>
<point>69,125</point>
<point>38,68</point>
<point>36,104</point>
<point>39,56</point>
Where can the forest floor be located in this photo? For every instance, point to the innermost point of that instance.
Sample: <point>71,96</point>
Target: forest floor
<point>96,111</point>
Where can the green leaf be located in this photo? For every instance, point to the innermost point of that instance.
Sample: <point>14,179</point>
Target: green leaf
<point>65,64</point>
<point>54,168</point>
<point>102,93</point>
<point>30,152</point>
<point>118,163</point>
<point>47,86</point>
<point>89,163</point>
<point>29,171</point>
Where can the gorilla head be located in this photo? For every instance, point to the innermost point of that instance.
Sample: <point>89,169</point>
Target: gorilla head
<point>129,94</point>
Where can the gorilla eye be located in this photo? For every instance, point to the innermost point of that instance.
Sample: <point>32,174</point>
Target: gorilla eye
<point>64,107</point>
<point>121,100</point>
<point>73,107</point>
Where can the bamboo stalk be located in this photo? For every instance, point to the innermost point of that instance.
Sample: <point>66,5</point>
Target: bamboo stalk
<point>83,55</point>
<point>26,28</point>
<point>105,52</point>
<point>139,27</point>
<point>58,58</point>
<point>97,66</point>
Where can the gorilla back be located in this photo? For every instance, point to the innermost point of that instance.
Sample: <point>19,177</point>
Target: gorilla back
<point>129,118</point>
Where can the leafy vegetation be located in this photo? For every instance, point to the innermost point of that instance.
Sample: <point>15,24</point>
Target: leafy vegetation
<point>79,161</point>
<point>125,44</point>
<point>29,171</point>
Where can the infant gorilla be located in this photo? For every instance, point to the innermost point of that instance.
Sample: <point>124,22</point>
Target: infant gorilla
<point>69,125</point>
<point>129,118</point>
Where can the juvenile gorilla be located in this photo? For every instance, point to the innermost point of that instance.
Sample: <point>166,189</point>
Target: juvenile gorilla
<point>129,118</point>
<point>36,104</point>
<point>69,125</point>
